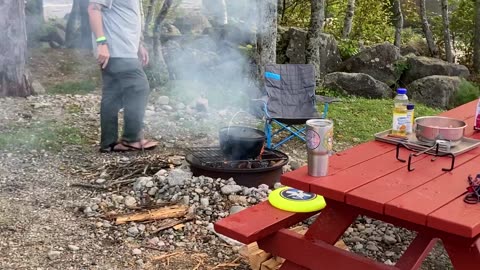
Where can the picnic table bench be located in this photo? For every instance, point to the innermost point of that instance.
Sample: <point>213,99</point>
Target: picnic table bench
<point>368,180</point>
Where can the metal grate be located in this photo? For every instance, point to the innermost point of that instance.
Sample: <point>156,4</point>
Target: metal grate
<point>214,157</point>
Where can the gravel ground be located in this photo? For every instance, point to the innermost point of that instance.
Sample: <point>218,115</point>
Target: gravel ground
<point>58,226</point>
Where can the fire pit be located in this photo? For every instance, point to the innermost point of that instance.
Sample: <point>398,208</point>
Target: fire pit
<point>211,162</point>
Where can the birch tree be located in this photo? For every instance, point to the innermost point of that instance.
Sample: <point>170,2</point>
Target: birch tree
<point>266,33</point>
<point>317,22</point>
<point>426,29</point>
<point>446,32</point>
<point>398,19</point>
<point>347,24</point>
<point>13,45</point>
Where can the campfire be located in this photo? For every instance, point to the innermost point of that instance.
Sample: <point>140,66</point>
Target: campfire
<point>212,162</point>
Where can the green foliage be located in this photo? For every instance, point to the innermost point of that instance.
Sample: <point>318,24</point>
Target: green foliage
<point>462,25</point>
<point>348,48</point>
<point>467,92</point>
<point>73,88</point>
<point>371,22</point>
<point>401,66</point>
<point>296,13</point>
<point>49,135</point>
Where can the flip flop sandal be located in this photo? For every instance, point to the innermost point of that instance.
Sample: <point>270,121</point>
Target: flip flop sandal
<point>111,148</point>
<point>126,144</point>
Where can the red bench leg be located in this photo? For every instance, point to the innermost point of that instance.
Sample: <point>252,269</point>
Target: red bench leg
<point>418,250</point>
<point>288,265</point>
<point>332,222</point>
<point>463,257</point>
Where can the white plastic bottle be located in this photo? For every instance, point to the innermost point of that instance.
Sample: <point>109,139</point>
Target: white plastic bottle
<point>399,125</point>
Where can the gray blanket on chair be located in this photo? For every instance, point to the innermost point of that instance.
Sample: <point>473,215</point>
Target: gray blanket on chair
<point>291,90</point>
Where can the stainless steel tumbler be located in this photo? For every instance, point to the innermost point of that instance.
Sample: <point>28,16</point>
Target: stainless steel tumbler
<point>319,145</point>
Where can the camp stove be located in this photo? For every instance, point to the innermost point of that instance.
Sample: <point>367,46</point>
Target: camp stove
<point>441,148</point>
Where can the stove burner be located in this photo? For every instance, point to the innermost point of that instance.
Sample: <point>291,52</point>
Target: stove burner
<point>441,148</point>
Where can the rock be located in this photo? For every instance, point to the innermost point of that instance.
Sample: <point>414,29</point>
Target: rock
<point>418,67</point>
<point>130,202</point>
<point>435,91</point>
<point>163,100</point>
<point>237,199</point>
<point>73,247</point>
<point>193,22</point>
<point>377,61</point>
<point>154,241</point>
<point>204,202</point>
<point>170,30</point>
<point>167,108</point>
<point>358,84</point>
<point>153,191</point>
<point>177,177</point>
<point>133,231</point>
<point>162,172</point>
<point>136,251</point>
<point>38,89</point>
<point>330,59</point>
<point>149,184</point>
<point>53,254</point>
<point>235,209</point>
<point>230,189</point>
<point>201,104</point>
<point>358,247</point>
<point>389,239</point>
<point>296,45</point>
<point>389,253</point>
<point>100,181</point>
<point>372,247</point>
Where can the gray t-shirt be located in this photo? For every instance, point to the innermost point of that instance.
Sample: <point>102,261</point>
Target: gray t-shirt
<point>122,27</point>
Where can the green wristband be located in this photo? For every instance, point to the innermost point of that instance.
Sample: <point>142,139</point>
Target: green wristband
<point>101,39</point>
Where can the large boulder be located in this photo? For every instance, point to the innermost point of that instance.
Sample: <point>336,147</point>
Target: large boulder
<point>421,66</point>
<point>330,59</point>
<point>377,61</point>
<point>296,45</point>
<point>357,84</point>
<point>435,91</point>
<point>192,23</point>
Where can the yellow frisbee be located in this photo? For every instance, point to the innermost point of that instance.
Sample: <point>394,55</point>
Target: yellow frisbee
<point>295,200</point>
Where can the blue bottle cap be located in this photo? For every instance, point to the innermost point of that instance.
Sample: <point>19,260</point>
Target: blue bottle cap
<point>410,106</point>
<point>401,91</point>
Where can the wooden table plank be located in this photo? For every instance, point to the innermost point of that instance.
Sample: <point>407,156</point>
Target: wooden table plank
<point>336,186</point>
<point>462,112</point>
<point>301,180</point>
<point>375,194</point>
<point>415,205</point>
<point>457,217</point>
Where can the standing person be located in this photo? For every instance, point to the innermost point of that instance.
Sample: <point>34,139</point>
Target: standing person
<point>117,28</point>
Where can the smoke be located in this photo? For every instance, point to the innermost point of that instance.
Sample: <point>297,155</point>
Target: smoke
<point>214,57</point>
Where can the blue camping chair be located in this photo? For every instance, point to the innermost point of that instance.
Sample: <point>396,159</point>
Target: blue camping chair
<point>290,101</point>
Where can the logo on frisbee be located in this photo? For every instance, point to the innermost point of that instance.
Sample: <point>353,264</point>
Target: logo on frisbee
<point>297,195</point>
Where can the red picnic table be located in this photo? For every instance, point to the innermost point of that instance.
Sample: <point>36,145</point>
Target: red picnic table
<point>368,180</point>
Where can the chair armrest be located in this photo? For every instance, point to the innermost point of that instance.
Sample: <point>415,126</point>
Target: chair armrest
<point>328,100</point>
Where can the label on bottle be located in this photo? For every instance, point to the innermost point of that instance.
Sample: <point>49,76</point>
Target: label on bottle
<point>409,121</point>
<point>400,122</point>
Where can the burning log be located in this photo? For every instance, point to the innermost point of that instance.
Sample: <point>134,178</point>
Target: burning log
<point>174,211</point>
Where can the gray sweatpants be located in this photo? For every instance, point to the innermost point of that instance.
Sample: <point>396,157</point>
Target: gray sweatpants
<point>125,85</point>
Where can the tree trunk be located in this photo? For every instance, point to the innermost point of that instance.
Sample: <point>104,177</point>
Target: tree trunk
<point>476,45</point>
<point>34,22</point>
<point>398,18</point>
<point>426,30</point>
<point>159,67</point>
<point>446,32</point>
<point>317,21</point>
<point>85,30</point>
<point>266,34</point>
<point>347,24</point>
<point>71,31</point>
<point>13,74</point>
<point>149,17</point>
